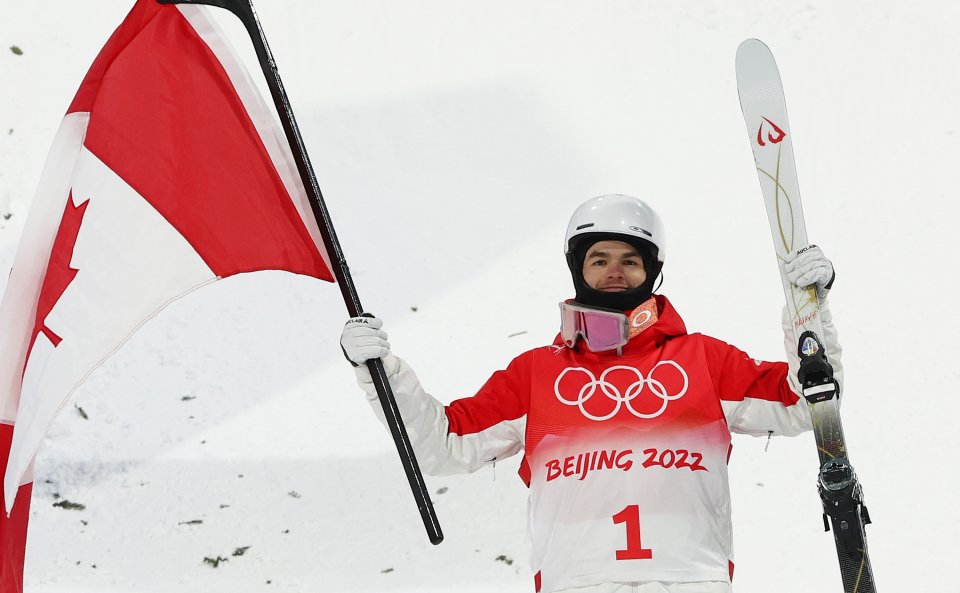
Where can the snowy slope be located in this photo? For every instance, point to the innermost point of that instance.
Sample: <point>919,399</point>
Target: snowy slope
<point>452,141</point>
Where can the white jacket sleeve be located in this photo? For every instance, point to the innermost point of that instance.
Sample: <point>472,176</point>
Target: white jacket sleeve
<point>761,398</point>
<point>830,344</point>
<point>439,449</point>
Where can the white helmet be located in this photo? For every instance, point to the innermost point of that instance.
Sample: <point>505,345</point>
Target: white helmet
<point>622,218</point>
<point>617,214</point>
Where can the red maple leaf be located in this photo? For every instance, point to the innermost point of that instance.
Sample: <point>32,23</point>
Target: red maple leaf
<point>59,273</point>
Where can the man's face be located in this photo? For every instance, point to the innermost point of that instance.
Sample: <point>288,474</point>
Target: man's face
<point>613,266</point>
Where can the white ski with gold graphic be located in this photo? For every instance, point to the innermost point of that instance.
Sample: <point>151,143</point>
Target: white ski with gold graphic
<point>765,113</point>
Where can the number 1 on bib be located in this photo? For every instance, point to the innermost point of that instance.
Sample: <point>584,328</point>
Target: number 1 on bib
<point>635,550</point>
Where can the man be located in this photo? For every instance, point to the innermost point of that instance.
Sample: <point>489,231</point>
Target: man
<point>625,421</point>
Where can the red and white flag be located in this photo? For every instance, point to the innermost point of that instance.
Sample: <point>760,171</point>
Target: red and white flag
<point>168,173</point>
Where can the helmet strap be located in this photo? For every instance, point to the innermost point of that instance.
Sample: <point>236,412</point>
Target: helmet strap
<point>659,284</point>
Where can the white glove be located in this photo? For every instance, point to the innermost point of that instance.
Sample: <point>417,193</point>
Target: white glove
<point>809,267</point>
<point>363,340</point>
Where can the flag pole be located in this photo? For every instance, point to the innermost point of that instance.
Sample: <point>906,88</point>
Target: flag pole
<point>243,9</point>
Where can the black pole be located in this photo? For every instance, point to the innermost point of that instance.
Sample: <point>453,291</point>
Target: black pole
<point>243,9</point>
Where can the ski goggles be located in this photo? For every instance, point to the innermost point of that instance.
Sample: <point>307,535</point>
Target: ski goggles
<point>602,329</point>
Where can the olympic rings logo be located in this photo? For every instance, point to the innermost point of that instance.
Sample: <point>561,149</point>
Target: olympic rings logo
<point>613,393</point>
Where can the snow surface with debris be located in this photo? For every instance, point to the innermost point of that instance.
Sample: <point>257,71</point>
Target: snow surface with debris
<point>226,448</point>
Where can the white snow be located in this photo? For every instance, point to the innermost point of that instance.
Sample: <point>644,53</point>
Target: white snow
<point>452,140</point>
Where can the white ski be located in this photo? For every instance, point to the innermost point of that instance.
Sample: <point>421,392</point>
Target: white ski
<point>765,113</point>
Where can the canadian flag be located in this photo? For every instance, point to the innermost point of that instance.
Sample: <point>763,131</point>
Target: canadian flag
<point>168,173</point>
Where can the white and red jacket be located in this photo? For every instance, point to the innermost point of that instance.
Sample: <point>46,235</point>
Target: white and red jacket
<point>625,455</point>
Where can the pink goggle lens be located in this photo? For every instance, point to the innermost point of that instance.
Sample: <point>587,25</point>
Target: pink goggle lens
<point>601,330</point>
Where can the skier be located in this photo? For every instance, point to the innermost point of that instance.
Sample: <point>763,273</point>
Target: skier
<point>625,421</point>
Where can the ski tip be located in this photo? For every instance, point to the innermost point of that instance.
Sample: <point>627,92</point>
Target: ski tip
<point>751,45</point>
<point>752,48</point>
<point>754,62</point>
